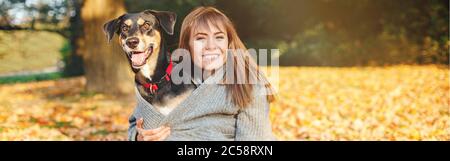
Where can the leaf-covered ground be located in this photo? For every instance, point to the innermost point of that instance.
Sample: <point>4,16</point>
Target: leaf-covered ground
<point>370,103</point>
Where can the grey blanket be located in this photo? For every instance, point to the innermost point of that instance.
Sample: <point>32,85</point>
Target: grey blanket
<point>207,114</point>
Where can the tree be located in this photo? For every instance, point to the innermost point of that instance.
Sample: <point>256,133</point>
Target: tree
<point>106,67</point>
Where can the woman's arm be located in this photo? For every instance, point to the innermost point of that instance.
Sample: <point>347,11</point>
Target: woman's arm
<point>253,121</point>
<point>137,133</point>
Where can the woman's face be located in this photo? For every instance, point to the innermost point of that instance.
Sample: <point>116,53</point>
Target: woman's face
<point>208,47</point>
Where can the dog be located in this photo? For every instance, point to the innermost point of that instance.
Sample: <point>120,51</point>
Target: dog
<point>141,36</point>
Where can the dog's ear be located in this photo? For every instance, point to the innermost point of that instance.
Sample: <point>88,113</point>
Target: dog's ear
<point>166,19</point>
<point>111,27</point>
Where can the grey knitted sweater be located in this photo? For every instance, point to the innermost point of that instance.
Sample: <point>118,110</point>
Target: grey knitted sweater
<point>206,115</point>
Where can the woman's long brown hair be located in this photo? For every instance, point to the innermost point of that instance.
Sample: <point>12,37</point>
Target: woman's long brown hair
<point>241,94</point>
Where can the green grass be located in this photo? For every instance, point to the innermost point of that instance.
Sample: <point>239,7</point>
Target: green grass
<point>29,50</point>
<point>30,78</point>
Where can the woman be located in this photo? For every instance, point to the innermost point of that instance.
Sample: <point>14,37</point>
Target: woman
<point>214,111</point>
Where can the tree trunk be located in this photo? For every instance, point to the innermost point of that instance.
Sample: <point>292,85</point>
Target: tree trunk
<point>106,67</point>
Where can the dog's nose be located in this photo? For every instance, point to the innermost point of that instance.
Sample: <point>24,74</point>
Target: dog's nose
<point>132,42</point>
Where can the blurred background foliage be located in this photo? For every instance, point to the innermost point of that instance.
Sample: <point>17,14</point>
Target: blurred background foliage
<point>308,32</point>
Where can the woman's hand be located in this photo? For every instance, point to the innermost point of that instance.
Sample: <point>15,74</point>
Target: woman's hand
<point>157,134</point>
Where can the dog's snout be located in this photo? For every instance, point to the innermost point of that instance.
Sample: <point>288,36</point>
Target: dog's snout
<point>132,42</point>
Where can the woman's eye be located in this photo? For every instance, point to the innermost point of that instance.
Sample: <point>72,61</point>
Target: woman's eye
<point>200,38</point>
<point>220,37</point>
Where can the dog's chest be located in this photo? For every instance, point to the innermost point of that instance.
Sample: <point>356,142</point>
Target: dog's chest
<point>170,102</point>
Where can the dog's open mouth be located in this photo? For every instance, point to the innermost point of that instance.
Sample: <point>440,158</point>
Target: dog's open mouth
<point>139,58</point>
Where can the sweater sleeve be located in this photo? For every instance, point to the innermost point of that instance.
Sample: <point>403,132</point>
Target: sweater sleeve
<point>132,133</point>
<point>253,123</point>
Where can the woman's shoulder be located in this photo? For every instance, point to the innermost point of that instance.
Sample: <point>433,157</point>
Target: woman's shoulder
<point>260,90</point>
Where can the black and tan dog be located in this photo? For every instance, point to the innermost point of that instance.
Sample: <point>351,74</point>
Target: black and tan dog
<point>141,37</point>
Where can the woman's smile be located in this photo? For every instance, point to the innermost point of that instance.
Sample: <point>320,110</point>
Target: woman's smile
<point>210,57</point>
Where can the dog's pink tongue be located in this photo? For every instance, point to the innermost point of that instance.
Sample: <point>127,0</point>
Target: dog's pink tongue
<point>138,59</point>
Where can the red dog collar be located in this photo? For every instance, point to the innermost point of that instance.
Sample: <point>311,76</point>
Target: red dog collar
<point>153,87</point>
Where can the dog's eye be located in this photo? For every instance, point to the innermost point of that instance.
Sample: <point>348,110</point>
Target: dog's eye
<point>146,26</point>
<point>125,28</point>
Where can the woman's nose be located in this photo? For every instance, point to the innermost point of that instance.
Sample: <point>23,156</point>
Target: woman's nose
<point>210,44</point>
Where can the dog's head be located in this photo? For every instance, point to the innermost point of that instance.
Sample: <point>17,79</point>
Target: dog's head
<point>140,33</point>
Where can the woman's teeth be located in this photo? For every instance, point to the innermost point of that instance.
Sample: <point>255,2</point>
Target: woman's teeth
<point>210,57</point>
